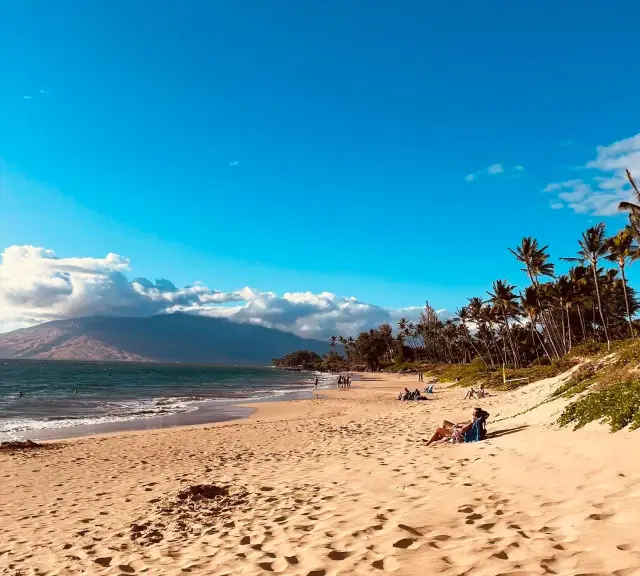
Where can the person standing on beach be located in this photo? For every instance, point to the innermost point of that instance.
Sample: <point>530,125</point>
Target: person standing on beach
<point>315,384</point>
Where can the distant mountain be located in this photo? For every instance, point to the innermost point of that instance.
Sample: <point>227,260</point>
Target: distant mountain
<point>165,338</point>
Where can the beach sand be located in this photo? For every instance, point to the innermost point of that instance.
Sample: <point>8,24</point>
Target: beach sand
<point>342,484</point>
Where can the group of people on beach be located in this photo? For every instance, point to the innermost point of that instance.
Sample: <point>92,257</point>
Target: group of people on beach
<point>344,382</point>
<point>408,395</point>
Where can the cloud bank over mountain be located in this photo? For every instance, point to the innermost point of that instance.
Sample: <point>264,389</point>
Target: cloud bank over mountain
<point>38,286</point>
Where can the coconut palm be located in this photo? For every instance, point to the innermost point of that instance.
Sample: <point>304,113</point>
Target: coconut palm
<point>504,298</point>
<point>535,259</point>
<point>593,248</point>
<point>333,341</point>
<point>530,305</point>
<point>622,250</point>
<point>462,316</point>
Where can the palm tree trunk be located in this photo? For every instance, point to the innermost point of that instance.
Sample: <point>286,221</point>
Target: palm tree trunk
<point>564,336</point>
<point>569,329</point>
<point>499,353</point>
<point>511,343</point>
<point>626,300</point>
<point>542,344</point>
<point>604,324</point>
<point>584,329</point>
<point>476,350</point>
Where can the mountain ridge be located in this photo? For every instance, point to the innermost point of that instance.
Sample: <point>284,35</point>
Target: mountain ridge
<point>179,337</point>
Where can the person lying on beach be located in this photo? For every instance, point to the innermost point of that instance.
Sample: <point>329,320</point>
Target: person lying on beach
<point>463,431</point>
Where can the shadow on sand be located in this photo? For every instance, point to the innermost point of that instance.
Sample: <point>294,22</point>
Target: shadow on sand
<point>498,433</point>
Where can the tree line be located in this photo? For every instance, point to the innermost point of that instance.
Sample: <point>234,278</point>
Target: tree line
<point>515,327</point>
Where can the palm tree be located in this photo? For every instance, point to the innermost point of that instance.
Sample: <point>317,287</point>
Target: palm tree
<point>534,258</point>
<point>564,293</point>
<point>622,251</point>
<point>579,278</point>
<point>462,316</point>
<point>530,304</point>
<point>592,248</point>
<point>333,341</point>
<point>536,261</point>
<point>504,299</point>
<point>633,209</point>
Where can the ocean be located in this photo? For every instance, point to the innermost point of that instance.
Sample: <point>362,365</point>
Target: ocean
<point>56,399</point>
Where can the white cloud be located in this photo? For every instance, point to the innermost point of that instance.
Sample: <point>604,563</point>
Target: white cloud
<point>44,92</point>
<point>496,169</point>
<point>233,162</point>
<point>556,205</point>
<point>37,286</point>
<point>608,186</point>
<point>27,97</point>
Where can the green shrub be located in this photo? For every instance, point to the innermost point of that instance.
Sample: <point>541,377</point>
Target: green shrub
<point>618,405</point>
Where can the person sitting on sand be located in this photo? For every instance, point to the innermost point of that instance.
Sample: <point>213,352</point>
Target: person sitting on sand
<point>464,431</point>
<point>406,395</point>
<point>471,393</point>
<point>481,393</point>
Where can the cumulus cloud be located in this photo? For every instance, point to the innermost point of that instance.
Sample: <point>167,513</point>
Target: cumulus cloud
<point>495,170</point>
<point>608,185</point>
<point>37,286</point>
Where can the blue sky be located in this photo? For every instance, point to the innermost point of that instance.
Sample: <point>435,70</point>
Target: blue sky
<point>312,146</point>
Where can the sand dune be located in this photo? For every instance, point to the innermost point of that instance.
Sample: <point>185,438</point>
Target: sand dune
<point>338,485</point>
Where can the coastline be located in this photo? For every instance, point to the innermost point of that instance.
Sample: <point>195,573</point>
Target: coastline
<point>341,484</point>
<point>204,411</point>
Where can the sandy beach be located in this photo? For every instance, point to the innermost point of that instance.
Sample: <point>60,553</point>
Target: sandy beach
<point>337,485</point>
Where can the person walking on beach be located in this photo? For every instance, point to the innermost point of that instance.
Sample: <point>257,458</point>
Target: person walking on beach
<point>315,384</point>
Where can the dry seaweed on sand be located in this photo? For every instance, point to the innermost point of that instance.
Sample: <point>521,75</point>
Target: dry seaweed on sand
<point>25,447</point>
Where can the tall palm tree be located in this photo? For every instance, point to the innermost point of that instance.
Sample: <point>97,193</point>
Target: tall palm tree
<point>564,294</point>
<point>578,275</point>
<point>333,341</point>
<point>476,314</point>
<point>534,258</point>
<point>622,250</point>
<point>462,316</point>
<point>504,299</point>
<point>536,261</point>
<point>530,304</point>
<point>593,247</point>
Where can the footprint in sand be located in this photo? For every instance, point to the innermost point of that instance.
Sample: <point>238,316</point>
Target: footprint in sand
<point>405,543</point>
<point>387,564</point>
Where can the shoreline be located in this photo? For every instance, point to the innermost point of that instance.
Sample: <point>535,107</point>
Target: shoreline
<point>207,413</point>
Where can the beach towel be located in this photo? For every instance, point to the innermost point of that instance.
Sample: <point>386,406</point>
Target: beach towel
<point>476,432</point>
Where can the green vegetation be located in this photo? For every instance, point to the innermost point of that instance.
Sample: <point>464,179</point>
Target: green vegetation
<point>618,405</point>
<point>303,359</point>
